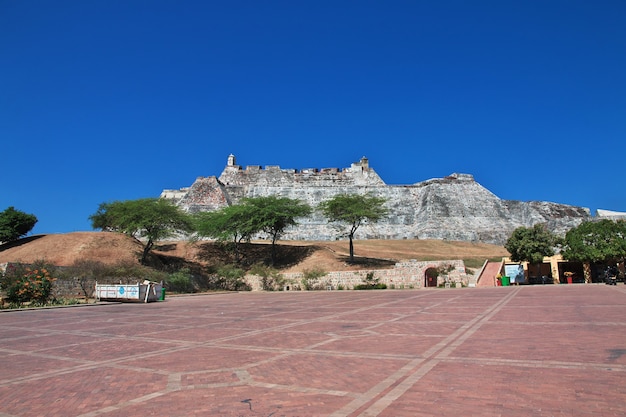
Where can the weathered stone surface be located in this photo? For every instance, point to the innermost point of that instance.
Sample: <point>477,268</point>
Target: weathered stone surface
<point>455,207</point>
<point>407,274</point>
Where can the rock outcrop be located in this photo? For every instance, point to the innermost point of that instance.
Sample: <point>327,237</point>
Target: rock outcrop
<point>455,207</point>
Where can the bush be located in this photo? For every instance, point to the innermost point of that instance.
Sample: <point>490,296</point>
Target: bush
<point>371,283</point>
<point>231,278</point>
<point>379,286</point>
<point>130,271</point>
<point>86,273</point>
<point>311,279</point>
<point>24,283</point>
<point>271,279</point>
<point>179,282</point>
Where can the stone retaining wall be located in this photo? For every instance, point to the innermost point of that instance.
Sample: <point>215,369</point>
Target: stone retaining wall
<point>405,275</point>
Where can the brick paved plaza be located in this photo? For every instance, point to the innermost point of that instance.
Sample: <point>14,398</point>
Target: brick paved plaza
<point>557,350</point>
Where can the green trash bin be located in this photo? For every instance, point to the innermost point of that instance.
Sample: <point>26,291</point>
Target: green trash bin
<point>506,281</point>
<point>162,294</point>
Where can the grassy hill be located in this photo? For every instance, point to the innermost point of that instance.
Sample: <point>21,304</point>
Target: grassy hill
<point>112,248</point>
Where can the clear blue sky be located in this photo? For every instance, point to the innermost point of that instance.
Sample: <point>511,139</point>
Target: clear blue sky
<point>113,100</point>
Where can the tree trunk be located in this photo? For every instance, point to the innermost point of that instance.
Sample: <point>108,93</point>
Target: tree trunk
<point>146,250</point>
<point>237,242</point>
<point>555,280</point>
<point>273,253</point>
<point>351,236</point>
<point>587,272</point>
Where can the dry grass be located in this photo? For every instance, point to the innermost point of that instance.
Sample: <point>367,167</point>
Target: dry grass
<point>110,248</point>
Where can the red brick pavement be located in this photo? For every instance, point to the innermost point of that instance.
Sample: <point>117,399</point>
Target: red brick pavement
<point>557,350</point>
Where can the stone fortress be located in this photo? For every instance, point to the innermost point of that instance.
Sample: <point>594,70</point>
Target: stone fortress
<point>455,207</point>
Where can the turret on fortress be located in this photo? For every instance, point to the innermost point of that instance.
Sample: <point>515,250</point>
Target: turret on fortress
<point>455,207</point>
<point>359,173</point>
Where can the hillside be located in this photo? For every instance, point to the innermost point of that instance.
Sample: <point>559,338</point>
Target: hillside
<point>111,248</point>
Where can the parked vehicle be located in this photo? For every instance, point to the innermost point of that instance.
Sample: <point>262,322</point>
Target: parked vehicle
<point>610,275</point>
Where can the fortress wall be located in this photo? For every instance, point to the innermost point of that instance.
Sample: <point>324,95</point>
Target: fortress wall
<point>414,212</point>
<point>398,225</point>
<point>175,195</point>
<point>455,207</point>
<point>206,194</point>
<point>359,174</point>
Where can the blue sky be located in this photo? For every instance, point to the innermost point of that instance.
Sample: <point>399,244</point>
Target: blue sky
<point>117,100</point>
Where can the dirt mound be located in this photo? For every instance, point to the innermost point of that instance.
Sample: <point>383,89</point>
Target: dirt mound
<point>64,249</point>
<point>112,248</point>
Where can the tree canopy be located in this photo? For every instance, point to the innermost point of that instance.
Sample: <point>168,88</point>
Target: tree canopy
<point>531,244</point>
<point>15,224</point>
<point>354,210</point>
<point>273,215</point>
<point>597,241</point>
<point>229,224</point>
<point>237,223</point>
<point>151,218</point>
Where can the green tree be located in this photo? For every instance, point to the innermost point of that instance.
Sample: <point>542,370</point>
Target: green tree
<point>229,224</point>
<point>353,210</point>
<point>15,224</point>
<point>151,218</point>
<point>597,241</point>
<point>273,215</point>
<point>531,244</point>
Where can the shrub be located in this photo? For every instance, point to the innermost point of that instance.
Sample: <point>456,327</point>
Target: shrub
<point>29,283</point>
<point>86,273</point>
<point>379,286</point>
<point>311,279</point>
<point>231,278</point>
<point>371,283</point>
<point>271,279</point>
<point>179,282</point>
<point>133,271</point>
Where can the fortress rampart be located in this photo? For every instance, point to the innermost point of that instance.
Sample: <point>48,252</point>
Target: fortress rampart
<point>358,174</point>
<point>455,207</point>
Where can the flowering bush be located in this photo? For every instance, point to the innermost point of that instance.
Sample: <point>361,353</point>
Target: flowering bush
<point>28,283</point>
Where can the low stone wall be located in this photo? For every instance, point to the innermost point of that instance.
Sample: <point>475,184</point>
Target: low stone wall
<point>404,275</point>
